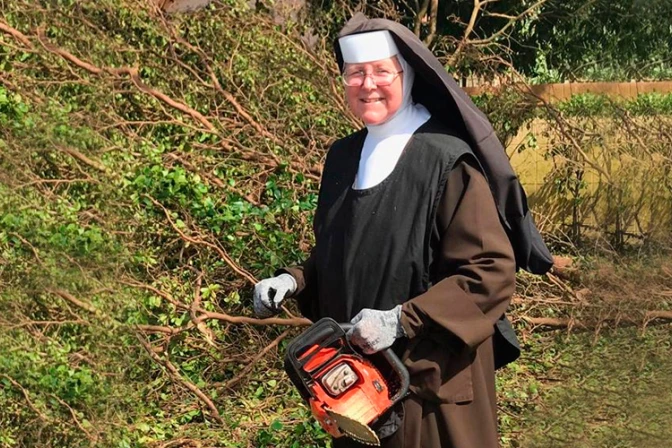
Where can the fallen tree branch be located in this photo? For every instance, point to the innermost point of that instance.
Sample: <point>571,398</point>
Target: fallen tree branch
<point>293,322</point>
<point>159,329</point>
<point>557,323</point>
<point>16,34</point>
<point>156,291</point>
<point>249,277</point>
<point>132,72</point>
<point>27,243</point>
<point>84,159</point>
<point>240,110</point>
<point>16,384</point>
<point>72,299</point>
<point>175,374</point>
<point>233,381</point>
<point>193,310</point>
<point>92,438</point>
<point>215,180</point>
<point>47,323</point>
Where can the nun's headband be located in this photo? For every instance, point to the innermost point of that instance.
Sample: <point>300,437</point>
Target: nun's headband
<point>367,47</point>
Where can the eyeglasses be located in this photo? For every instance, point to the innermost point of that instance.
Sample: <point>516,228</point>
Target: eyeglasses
<point>379,77</point>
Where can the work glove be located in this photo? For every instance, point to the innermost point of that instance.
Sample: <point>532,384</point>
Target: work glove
<point>376,330</point>
<point>269,294</point>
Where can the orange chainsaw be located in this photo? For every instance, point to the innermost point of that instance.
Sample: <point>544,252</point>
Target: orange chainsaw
<point>346,391</point>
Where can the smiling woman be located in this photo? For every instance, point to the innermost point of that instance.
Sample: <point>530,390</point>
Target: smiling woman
<point>409,245</point>
<point>374,90</point>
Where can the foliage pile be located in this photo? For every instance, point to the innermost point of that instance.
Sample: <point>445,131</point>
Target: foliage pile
<point>150,169</point>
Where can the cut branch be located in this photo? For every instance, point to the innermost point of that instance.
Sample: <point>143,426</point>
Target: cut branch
<point>72,299</point>
<point>84,159</point>
<point>16,34</point>
<point>233,381</point>
<point>16,384</point>
<point>175,374</point>
<point>294,322</point>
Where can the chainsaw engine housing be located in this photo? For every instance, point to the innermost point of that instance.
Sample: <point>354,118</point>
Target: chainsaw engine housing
<point>341,385</point>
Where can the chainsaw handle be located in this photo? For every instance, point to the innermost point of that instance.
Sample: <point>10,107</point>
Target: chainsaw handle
<point>347,326</point>
<point>323,335</point>
<point>395,363</point>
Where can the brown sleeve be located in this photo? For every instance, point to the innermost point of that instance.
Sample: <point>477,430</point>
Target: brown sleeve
<point>306,285</point>
<point>302,273</point>
<point>476,259</point>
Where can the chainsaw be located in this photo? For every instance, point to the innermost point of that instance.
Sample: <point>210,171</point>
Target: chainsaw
<point>347,392</point>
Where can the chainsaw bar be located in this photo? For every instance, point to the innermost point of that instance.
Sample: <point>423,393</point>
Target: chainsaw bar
<point>355,430</point>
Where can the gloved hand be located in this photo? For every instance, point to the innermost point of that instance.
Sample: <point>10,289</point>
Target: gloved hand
<point>376,330</point>
<point>270,292</point>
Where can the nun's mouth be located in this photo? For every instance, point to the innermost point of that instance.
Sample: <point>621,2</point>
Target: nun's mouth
<point>371,100</point>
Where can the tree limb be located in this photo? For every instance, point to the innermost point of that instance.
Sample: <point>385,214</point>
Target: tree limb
<point>233,381</point>
<point>16,384</point>
<point>16,34</point>
<point>175,374</point>
<point>294,322</point>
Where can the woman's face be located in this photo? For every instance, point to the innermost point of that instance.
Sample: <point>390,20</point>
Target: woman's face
<point>371,103</point>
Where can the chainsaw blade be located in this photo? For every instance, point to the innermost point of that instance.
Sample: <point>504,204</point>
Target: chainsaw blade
<point>355,430</point>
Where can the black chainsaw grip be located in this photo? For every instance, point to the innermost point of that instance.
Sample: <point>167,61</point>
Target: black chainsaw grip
<point>398,368</point>
<point>395,363</point>
<point>324,334</point>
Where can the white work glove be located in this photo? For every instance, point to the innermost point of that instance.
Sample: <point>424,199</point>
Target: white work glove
<point>269,294</point>
<point>376,330</point>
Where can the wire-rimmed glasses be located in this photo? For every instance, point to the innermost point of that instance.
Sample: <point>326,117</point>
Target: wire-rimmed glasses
<point>379,77</point>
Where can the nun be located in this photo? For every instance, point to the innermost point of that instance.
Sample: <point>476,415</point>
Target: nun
<point>420,227</point>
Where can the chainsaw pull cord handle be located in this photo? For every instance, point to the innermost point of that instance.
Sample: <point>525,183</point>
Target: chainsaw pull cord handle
<point>396,364</point>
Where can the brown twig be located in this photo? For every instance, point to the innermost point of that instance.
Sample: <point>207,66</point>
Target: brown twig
<point>18,35</point>
<point>84,159</point>
<point>556,323</point>
<point>156,291</point>
<point>293,322</point>
<point>159,329</point>
<point>175,374</point>
<point>233,381</point>
<point>193,310</point>
<point>27,243</point>
<point>217,249</point>
<point>92,438</point>
<point>132,72</point>
<point>16,384</point>
<point>72,299</point>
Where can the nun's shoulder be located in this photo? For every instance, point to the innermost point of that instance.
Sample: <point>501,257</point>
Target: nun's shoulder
<point>440,139</point>
<point>347,144</point>
<point>344,152</point>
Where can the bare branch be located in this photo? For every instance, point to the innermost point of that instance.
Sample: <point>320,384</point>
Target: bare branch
<point>72,299</point>
<point>217,249</point>
<point>18,35</point>
<point>233,381</point>
<point>175,374</point>
<point>84,159</point>
<point>92,438</point>
<point>294,322</point>
<point>16,384</point>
